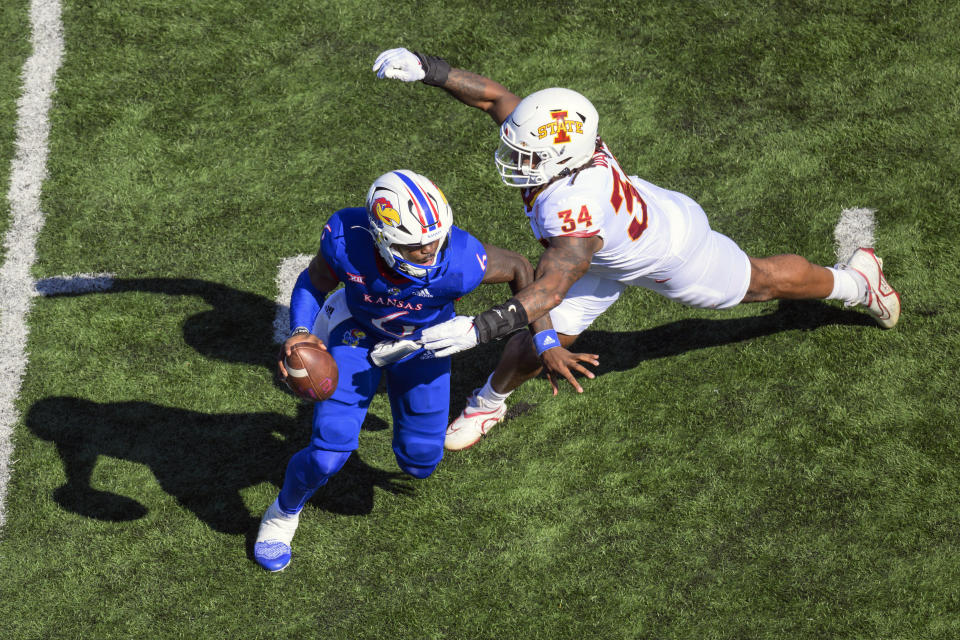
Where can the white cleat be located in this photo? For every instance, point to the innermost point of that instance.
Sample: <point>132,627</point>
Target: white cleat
<point>882,301</point>
<point>474,422</point>
<point>272,549</point>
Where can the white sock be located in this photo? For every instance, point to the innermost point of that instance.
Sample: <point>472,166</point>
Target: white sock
<point>490,398</point>
<point>849,286</point>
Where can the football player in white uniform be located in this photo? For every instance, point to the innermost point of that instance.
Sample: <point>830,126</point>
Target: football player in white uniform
<point>603,231</point>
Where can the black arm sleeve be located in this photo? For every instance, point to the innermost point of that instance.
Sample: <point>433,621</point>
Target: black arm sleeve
<point>501,320</point>
<point>435,69</point>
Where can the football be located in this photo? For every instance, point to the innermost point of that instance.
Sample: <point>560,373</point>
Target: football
<point>311,372</point>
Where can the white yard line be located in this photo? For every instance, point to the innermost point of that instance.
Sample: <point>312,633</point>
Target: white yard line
<point>287,275</point>
<point>27,172</point>
<point>854,230</point>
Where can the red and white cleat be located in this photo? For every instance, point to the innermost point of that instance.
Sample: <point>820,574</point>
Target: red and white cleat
<point>882,300</point>
<point>474,422</point>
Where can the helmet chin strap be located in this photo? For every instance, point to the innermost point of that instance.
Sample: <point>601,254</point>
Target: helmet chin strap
<point>419,273</point>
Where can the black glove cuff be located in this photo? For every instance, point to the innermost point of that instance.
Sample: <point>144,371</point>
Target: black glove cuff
<point>499,321</point>
<point>435,69</point>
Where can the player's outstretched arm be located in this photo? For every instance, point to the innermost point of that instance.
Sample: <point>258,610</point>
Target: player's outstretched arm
<point>467,87</point>
<point>481,92</point>
<point>558,362</point>
<point>562,264</point>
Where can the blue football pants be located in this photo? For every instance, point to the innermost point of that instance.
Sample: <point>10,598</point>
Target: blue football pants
<point>419,393</point>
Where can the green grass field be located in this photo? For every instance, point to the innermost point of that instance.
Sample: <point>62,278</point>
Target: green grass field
<point>14,30</point>
<point>784,470</point>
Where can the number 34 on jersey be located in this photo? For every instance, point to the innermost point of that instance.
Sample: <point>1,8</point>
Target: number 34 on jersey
<point>583,220</point>
<point>624,199</point>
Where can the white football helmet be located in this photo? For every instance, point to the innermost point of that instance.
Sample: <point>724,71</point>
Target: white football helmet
<point>406,208</point>
<point>549,134</point>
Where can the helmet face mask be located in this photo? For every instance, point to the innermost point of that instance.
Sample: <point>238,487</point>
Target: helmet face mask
<point>406,209</point>
<point>519,167</point>
<point>406,263</point>
<point>550,134</point>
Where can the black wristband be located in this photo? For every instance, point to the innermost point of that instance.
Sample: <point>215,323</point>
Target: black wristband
<point>501,320</point>
<point>435,69</point>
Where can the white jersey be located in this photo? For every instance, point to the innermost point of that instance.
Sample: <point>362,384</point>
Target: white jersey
<point>652,238</point>
<point>640,223</point>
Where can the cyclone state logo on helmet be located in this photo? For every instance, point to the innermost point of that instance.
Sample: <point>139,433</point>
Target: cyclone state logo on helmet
<point>560,127</point>
<point>550,134</point>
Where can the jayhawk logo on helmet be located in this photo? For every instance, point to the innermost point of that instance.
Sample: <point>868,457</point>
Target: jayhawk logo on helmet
<point>385,212</point>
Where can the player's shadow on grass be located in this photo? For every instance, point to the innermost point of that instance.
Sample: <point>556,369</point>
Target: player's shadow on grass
<point>620,351</point>
<point>623,350</point>
<point>206,460</point>
<point>238,328</point>
<point>203,460</point>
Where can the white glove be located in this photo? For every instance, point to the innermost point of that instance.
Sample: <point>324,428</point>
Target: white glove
<point>398,64</point>
<point>390,351</point>
<point>450,337</point>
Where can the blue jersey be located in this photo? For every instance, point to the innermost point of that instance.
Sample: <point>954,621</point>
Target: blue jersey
<point>380,298</point>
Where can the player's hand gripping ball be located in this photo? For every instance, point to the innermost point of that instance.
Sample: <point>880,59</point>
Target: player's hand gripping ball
<point>311,372</point>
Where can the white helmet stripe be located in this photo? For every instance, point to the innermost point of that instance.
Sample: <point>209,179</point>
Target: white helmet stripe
<point>413,200</point>
<point>424,206</point>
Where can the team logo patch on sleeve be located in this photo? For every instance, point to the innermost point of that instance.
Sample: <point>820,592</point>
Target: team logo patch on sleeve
<point>353,337</point>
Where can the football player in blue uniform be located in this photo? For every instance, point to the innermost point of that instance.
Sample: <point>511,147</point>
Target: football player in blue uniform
<point>402,264</point>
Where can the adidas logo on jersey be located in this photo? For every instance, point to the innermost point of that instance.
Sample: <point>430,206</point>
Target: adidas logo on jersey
<point>423,293</point>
